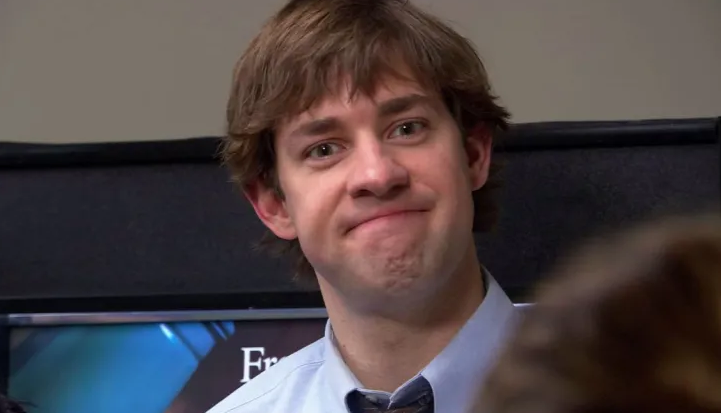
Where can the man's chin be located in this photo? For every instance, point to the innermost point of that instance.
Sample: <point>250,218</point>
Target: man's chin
<point>388,250</point>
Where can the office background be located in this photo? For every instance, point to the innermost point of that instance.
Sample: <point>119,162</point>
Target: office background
<point>107,70</point>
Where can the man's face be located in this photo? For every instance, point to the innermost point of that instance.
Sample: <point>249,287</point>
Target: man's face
<point>377,189</point>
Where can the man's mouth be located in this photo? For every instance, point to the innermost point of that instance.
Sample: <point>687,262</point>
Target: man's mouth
<point>382,216</point>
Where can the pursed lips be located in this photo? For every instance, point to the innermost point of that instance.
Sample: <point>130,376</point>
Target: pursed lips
<point>380,214</point>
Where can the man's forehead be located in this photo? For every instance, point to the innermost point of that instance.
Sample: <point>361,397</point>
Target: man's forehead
<point>343,97</point>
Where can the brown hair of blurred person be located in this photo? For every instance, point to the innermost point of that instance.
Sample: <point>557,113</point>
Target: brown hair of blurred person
<point>632,324</point>
<point>312,47</point>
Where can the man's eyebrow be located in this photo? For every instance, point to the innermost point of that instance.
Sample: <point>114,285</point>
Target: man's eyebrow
<point>402,104</point>
<point>390,107</point>
<point>316,127</point>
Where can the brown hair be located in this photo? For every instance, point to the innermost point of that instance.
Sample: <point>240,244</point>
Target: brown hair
<point>631,325</point>
<point>309,45</point>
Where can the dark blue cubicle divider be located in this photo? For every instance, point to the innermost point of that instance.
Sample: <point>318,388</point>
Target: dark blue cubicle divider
<point>158,225</point>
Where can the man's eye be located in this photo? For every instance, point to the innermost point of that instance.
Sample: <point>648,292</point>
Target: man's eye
<point>407,129</point>
<point>323,150</point>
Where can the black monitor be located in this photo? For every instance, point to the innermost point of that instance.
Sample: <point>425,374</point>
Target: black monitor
<point>147,362</point>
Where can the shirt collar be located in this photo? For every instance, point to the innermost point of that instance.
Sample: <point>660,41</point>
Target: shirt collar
<point>456,374</point>
<point>339,378</point>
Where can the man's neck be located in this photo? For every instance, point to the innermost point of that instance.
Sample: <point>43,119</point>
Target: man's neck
<point>384,352</point>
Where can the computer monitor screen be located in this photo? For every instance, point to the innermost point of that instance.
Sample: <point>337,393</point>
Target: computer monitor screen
<point>148,362</point>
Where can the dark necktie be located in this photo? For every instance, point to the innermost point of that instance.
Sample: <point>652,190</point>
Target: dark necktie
<point>361,404</point>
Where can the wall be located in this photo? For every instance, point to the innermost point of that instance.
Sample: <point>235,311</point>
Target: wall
<point>109,70</point>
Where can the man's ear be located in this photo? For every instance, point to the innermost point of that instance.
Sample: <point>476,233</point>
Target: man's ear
<point>271,209</point>
<point>478,145</point>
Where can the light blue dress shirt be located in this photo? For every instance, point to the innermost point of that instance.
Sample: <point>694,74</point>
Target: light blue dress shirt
<point>316,380</point>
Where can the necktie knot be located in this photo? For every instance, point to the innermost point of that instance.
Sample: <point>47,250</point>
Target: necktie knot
<point>362,404</point>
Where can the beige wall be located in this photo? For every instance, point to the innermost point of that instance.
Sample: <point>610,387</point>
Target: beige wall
<point>101,70</point>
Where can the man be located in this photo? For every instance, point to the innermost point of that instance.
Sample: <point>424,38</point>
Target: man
<point>360,131</point>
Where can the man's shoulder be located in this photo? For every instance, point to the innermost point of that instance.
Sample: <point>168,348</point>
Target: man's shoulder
<point>292,375</point>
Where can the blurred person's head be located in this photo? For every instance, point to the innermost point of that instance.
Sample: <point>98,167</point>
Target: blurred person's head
<point>632,324</point>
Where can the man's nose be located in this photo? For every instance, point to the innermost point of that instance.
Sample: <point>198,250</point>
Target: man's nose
<point>376,172</point>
